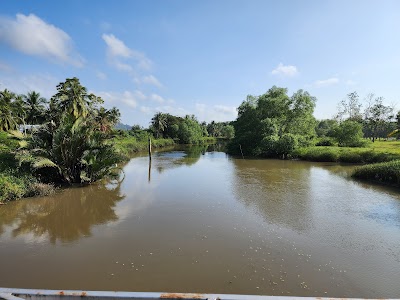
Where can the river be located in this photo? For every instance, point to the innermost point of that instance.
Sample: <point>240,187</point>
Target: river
<point>198,220</point>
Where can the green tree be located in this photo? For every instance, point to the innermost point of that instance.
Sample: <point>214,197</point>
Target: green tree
<point>349,134</point>
<point>35,106</point>
<point>72,147</point>
<point>377,115</point>
<point>190,131</point>
<point>72,98</point>
<point>326,128</point>
<point>106,119</point>
<point>8,120</point>
<point>228,131</point>
<point>262,121</point>
<point>159,123</point>
<point>350,108</point>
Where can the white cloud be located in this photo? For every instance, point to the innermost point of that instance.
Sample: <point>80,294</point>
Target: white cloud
<point>42,83</point>
<point>33,36</point>
<point>157,98</point>
<point>117,50</point>
<point>286,71</point>
<point>116,47</point>
<point>326,82</point>
<point>129,99</point>
<point>152,80</point>
<point>218,113</point>
<point>146,110</point>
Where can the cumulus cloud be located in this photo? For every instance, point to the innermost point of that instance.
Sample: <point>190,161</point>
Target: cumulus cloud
<point>286,71</point>
<point>326,82</point>
<point>127,98</point>
<point>33,36</point>
<point>157,98</point>
<point>219,113</point>
<point>42,83</point>
<point>152,80</point>
<point>117,50</point>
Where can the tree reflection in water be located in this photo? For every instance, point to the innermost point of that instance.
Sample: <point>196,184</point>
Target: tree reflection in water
<point>66,217</point>
<point>280,191</point>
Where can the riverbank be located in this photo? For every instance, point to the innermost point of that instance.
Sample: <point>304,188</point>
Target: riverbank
<point>383,173</point>
<point>346,154</point>
<point>17,183</point>
<point>381,160</point>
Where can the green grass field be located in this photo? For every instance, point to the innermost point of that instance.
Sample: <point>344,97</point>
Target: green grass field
<point>380,151</point>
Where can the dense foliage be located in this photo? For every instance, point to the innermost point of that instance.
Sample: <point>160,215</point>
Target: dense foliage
<point>71,144</point>
<point>188,130</point>
<point>274,124</point>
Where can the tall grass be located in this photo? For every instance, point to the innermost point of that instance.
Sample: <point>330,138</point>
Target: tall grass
<point>129,145</point>
<point>345,154</point>
<point>387,172</point>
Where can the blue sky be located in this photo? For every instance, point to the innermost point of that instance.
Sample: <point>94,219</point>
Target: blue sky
<point>202,57</point>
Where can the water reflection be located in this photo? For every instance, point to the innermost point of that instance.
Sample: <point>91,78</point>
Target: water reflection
<point>182,156</point>
<point>278,190</point>
<point>66,216</point>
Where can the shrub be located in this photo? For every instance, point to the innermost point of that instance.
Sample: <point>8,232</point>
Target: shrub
<point>351,157</point>
<point>325,142</point>
<point>387,172</point>
<point>349,134</point>
<point>11,188</point>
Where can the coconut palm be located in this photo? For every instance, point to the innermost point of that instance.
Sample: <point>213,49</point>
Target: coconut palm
<point>8,120</point>
<point>35,106</point>
<point>106,119</point>
<point>159,123</point>
<point>72,98</point>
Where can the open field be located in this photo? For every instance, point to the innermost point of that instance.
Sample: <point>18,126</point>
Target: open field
<point>380,151</point>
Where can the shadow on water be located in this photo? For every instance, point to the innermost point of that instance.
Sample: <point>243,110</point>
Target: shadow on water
<point>67,216</point>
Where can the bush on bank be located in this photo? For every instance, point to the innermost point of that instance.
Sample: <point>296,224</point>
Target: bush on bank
<point>387,172</point>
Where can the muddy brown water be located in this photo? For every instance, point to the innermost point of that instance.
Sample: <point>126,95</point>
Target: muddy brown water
<point>199,221</point>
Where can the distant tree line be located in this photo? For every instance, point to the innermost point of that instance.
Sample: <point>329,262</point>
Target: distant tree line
<point>188,130</point>
<point>274,124</point>
<point>354,121</point>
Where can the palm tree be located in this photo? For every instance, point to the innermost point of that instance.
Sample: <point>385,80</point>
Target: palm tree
<point>72,98</point>
<point>106,119</point>
<point>19,109</point>
<point>8,119</point>
<point>159,123</point>
<point>35,106</point>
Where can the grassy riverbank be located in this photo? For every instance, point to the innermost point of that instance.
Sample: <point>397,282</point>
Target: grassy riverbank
<point>129,145</point>
<point>381,159</point>
<point>387,173</point>
<point>380,151</point>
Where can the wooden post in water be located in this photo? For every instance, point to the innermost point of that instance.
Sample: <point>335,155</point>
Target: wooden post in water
<point>149,177</point>
<point>240,146</point>
<point>150,148</point>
